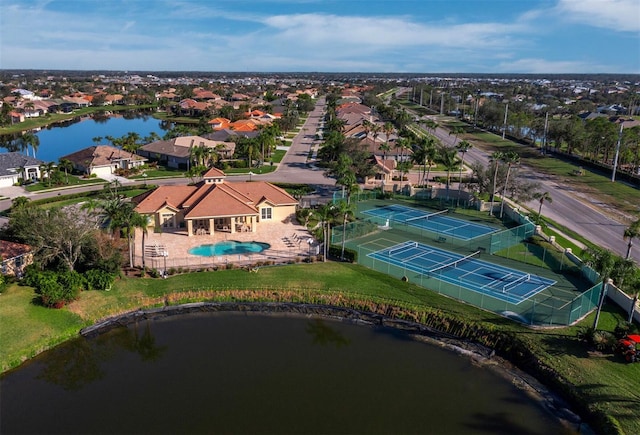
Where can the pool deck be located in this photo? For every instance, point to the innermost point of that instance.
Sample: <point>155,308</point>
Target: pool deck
<point>288,241</point>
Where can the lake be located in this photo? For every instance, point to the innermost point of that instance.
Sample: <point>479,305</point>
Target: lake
<point>60,140</point>
<point>260,373</point>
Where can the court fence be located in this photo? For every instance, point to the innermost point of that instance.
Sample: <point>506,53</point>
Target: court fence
<point>543,309</point>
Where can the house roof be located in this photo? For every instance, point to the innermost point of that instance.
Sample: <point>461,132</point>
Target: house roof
<point>100,155</point>
<point>10,162</point>
<point>165,195</point>
<point>180,146</point>
<point>214,200</point>
<point>10,250</point>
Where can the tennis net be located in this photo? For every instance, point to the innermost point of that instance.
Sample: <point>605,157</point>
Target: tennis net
<point>426,216</point>
<point>512,284</point>
<point>453,264</point>
<point>404,247</point>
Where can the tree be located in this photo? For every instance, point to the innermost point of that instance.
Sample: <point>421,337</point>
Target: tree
<point>344,210</point>
<point>425,154</point>
<point>603,262</point>
<point>456,131</point>
<point>56,235</point>
<point>448,158</point>
<point>326,215</point>
<point>27,140</point>
<point>542,197</point>
<point>495,159</point>
<point>509,158</point>
<point>66,166</point>
<point>630,233</point>
<point>463,147</point>
<point>97,139</point>
<point>47,168</point>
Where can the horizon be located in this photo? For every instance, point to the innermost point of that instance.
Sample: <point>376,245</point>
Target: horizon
<point>313,36</point>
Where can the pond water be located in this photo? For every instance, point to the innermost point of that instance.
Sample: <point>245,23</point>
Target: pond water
<point>258,373</point>
<point>60,140</point>
<point>229,247</point>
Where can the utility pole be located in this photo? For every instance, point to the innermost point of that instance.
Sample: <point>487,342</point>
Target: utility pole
<point>504,127</point>
<point>442,103</point>
<point>544,138</point>
<point>615,160</point>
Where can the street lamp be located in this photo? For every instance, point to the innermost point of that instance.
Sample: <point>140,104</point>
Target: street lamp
<point>310,243</point>
<point>165,254</point>
<point>250,175</point>
<point>144,175</point>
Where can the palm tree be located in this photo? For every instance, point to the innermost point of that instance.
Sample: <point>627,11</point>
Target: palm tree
<point>27,140</point>
<point>510,158</point>
<point>542,197</point>
<point>67,166</point>
<point>97,139</point>
<point>326,214</point>
<point>603,262</point>
<point>345,210</point>
<point>424,154</point>
<point>456,131</point>
<point>495,158</point>
<point>631,232</point>
<point>449,159</point>
<point>47,168</point>
<point>462,147</point>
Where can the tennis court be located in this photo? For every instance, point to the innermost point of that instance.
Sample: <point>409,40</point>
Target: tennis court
<point>503,283</point>
<point>438,222</point>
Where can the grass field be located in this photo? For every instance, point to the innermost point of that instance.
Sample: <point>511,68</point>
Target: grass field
<point>606,383</point>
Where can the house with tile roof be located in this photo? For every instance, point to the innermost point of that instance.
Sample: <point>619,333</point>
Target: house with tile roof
<point>216,205</point>
<point>16,166</point>
<point>103,160</point>
<point>176,152</point>
<point>14,257</point>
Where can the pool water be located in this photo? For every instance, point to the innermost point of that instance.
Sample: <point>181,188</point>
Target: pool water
<point>229,247</point>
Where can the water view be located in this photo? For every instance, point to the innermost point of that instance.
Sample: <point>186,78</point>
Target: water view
<point>58,141</point>
<point>251,373</point>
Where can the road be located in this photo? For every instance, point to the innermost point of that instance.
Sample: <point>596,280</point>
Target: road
<point>567,208</point>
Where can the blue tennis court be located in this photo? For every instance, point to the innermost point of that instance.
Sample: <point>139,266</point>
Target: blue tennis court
<point>509,285</point>
<point>437,222</point>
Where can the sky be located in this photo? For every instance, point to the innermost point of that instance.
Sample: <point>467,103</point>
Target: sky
<point>389,36</point>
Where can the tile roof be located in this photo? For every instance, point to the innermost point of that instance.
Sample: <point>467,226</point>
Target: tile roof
<point>10,250</point>
<point>9,162</point>
<point>174,196</point>
<point>100,155</point>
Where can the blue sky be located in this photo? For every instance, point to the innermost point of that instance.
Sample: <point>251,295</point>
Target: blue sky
<point>458,36</point>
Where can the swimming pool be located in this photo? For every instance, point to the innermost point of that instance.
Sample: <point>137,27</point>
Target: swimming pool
<point>229,247</point>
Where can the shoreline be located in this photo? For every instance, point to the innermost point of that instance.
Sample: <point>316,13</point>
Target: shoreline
<point>478,354</point>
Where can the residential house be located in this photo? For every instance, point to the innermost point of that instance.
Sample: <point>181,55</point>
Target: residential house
<point>176,152</point>
<point>15,257</point>
<point>215,205</point>
<point>16,166</point>
<point>103,160</point>
<point>383,172</point>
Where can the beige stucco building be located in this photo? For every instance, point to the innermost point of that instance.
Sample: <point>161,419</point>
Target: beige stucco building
<point>215,205</point>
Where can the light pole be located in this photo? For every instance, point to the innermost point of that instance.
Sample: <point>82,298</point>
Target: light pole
<point>250,175</point>
<point>144,175</point>
<point>165,254</point>
<point>310,242</point>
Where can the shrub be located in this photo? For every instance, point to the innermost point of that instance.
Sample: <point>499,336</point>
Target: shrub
<point>72,280</point>
<point>349,254</point>
<point>154,273</point>
<point>99,279</point>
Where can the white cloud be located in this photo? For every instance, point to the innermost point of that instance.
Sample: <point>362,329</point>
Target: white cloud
<point>543,66</point>
<point>619,15</point>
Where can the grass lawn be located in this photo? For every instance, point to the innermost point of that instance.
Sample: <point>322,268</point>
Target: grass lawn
<point>159,172</point>
<point>278,155</point>
<point>608,384</point>
<point>264,169</point>
<point>73,182</point>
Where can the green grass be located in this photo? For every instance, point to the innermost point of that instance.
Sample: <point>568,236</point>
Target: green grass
<point>73,182</point>
<point>265,169</point>
<point>159,172</point>
<point>278,155</point>
<point>27,328</point>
